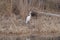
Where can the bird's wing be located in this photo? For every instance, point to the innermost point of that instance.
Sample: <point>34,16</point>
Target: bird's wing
<point>28,19</point>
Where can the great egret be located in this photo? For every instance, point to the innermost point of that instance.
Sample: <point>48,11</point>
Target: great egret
<point>28,17</point>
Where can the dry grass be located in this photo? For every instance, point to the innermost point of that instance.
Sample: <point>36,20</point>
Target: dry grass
<point>44,24</point>
<point>10,23</point>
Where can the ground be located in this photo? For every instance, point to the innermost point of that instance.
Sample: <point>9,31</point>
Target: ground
<point>40,27</point>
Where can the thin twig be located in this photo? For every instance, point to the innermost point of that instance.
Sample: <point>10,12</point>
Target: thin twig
<point>13,23</point>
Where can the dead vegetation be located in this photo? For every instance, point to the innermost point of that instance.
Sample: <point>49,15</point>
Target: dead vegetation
<point>12,19</point>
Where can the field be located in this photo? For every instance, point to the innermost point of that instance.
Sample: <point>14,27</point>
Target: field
<point>45,25</point>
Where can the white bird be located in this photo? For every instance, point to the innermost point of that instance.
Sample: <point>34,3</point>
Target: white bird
<point>27,38</point>
<point>28,17</point>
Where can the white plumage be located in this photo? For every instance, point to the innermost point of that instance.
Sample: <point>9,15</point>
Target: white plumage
<point>27,38</point>
<point>28,17</point>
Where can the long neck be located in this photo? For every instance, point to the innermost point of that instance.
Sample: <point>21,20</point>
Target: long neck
<point>30,13</point>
